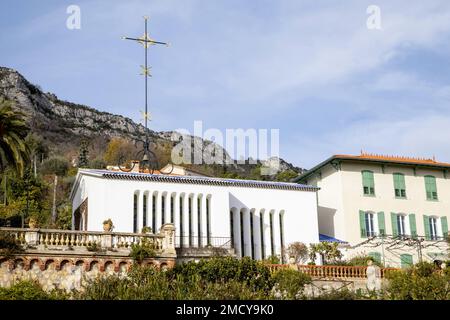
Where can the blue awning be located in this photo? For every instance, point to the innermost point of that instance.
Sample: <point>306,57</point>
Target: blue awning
<point>325,238</point>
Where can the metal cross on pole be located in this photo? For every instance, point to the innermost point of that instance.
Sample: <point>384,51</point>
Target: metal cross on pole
<point>146,42</point>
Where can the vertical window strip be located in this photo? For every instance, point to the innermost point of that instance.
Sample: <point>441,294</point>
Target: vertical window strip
<point>181,222</point>
<point>154,213</point>
<point>232,229</point>
<point>282,236</point>
<point>199,221</point>
<point>272,248</point>
<point>163,209</point>
<point>144,214</point>
<point>135,209</point>
<point>252,240</point>
<point>261,227</point>
<point>208,222</point>
<point>190,221</point>
<point>172,200</point>
<point>241,218</point>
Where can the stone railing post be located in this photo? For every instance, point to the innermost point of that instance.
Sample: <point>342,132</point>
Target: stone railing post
<point>168,231</point>
<point>106,241</point>
<point>32,237</point>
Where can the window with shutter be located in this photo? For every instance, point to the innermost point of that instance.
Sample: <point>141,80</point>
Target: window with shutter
<point>426,227</point>
<point>444,226</point>
<point>406,260</point>
<point>394,224</point>
<point>399,185</point>
<point>430,188</point>
<point>376,256</point>
<point>368,183</point>
<point>412,225</point>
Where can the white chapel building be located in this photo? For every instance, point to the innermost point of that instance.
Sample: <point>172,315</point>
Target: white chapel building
<point>258,218</point>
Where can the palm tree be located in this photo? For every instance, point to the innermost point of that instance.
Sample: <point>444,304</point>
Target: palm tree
<point>13,130</point>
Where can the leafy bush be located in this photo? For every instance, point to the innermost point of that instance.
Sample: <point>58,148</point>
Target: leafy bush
<point>29,290</point>
<point>223,269</point>
<point>9,245</point>
<point>144,283</point>
<point>142,251</point>
<point>291,283</point>
<point>420,282</point>
<point>360,260</point>
<point>337,294</point>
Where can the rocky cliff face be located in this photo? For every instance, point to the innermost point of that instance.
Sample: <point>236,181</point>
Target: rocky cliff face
<point>63,124</point>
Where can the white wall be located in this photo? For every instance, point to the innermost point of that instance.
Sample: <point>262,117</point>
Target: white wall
<point>113,198</point>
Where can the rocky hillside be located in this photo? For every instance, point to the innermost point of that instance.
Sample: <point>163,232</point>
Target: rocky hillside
<point>62,124</point>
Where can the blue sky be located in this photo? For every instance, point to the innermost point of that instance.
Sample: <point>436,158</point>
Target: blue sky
<point>309,68</point>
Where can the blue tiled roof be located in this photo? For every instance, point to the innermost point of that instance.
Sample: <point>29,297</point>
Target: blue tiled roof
<point>198,180</point>
<point>325,238</point>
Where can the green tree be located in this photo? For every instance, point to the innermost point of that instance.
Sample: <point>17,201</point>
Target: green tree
<point>13,130</point>
<point>286,176</point>
<point>118,151</point>
<point>55,166</point>
<point>327,250</point>
<point>298,251</point>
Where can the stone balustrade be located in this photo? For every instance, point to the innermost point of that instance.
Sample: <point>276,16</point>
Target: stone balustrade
<point>330,272</point>
<point>48,239</point>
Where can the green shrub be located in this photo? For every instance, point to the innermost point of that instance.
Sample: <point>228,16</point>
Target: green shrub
<point>337,294</point>
<point>224,269</point>
<point>420,282</point>
<point>291,283</point>
<point>142,251</point>
<point>29,290</point>
<point>9,245</point>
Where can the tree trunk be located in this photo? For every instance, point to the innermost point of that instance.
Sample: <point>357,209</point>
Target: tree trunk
<point>54,199</point>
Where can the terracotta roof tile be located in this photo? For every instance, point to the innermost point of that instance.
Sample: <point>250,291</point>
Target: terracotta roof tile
<point>391,158</point>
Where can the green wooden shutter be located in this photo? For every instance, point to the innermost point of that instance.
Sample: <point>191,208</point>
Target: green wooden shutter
<point>394,224</point>
<point>376,256</point>
<point>362,223</point>
<point>399,185</point>
<point>426,226</point>
<point>412,225</point>
<point>381,224</point>
<point>368,183</point>
<point>406,260</point>
<point>430,188</point>
<point>444,226</point>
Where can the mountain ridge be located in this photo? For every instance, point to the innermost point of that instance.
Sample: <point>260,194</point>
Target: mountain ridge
<point>64,124</point>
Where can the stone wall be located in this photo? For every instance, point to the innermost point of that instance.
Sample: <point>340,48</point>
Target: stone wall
<point>68,272</point>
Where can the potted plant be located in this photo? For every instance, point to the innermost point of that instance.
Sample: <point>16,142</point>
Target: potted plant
<point>33,223</point>
<point>108,225</point>
<point>146,230</point>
